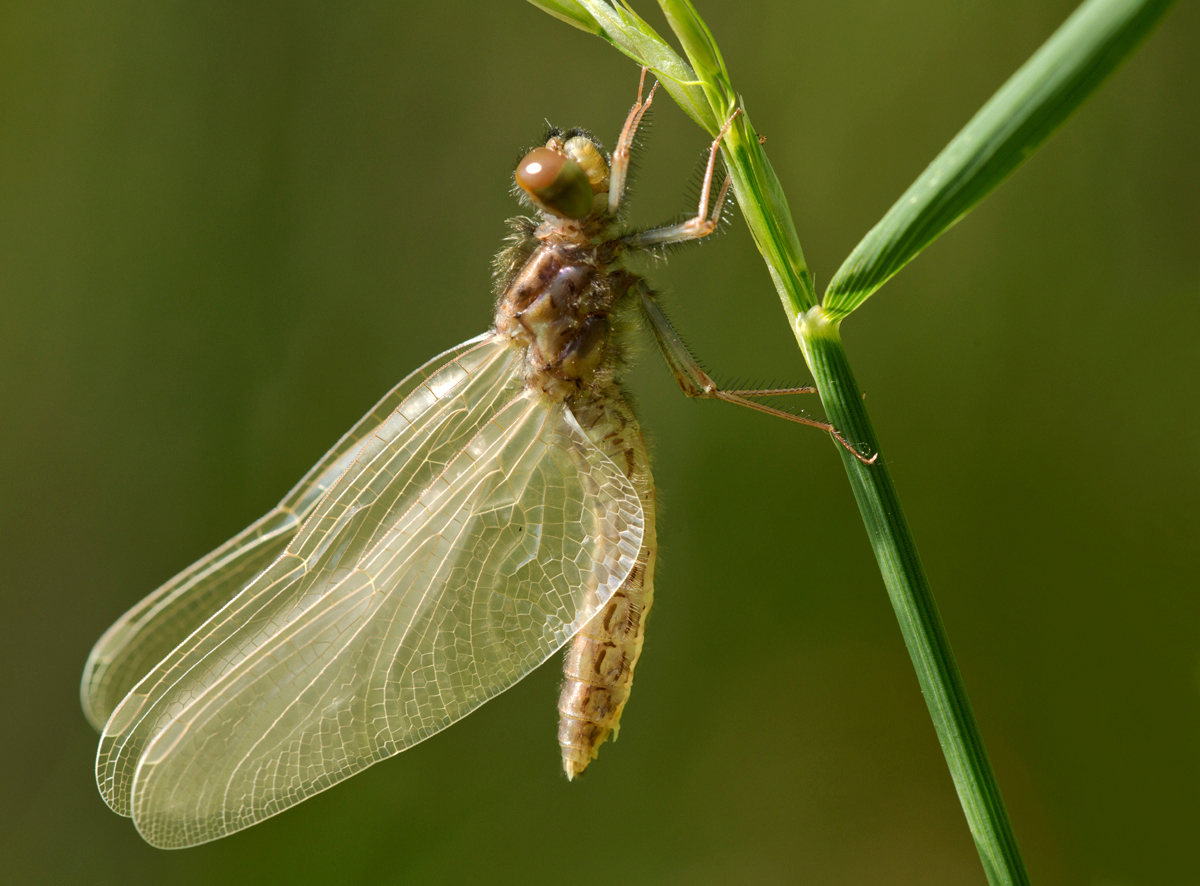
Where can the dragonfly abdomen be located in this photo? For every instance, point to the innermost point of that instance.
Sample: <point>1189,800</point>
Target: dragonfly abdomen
<point>598,670</point>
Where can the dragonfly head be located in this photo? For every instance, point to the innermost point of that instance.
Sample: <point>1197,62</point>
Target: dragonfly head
<point>567,177</point>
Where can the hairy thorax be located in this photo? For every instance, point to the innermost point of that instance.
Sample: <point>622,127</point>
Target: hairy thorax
<point>558,303</point>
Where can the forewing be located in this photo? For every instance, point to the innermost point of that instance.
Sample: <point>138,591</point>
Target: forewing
<point>144,635</point>
<point>399,459</point>
<point>503,557</point>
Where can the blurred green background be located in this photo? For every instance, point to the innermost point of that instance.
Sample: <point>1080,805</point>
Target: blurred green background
<point>227,228</point>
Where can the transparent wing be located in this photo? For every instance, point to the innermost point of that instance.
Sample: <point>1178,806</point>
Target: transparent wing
<point>146,633</point>
<point>395,463</point>
<point>503,557</point>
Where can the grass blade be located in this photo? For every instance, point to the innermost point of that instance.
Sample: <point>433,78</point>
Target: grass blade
<point>1035,101</point>
<point>571,12</point>
<point>622,27</point>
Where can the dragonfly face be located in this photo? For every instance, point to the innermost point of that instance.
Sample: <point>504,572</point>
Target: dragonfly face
<point>494,507</point>
<point>567,178</point>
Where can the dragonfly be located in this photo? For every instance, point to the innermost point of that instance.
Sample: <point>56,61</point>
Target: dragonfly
<point>493,508</point>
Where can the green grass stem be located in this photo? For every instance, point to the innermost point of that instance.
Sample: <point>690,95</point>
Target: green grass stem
<point>920,624</point>
<point>1059,77</point>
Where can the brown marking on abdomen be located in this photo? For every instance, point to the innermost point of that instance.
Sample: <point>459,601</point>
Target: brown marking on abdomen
<point>599,665</point>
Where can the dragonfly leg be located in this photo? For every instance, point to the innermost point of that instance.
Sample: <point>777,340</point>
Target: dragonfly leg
<point>703,223</point>
<point>620,159</point>
<point>695,382</point>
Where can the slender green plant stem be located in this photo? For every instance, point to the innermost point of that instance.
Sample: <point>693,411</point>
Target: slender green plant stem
<point>1036,100</point>
<point>908,588</point>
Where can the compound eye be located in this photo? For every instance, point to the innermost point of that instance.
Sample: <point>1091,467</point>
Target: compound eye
<point>555,183</point>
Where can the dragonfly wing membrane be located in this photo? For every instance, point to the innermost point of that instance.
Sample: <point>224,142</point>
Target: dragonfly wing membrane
<point>399,458</point>
<point>526,532</point>
<point>144,635</point>
<point>147,632</point>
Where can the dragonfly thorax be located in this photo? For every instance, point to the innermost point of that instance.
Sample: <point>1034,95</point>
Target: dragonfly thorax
<point>558,306</point>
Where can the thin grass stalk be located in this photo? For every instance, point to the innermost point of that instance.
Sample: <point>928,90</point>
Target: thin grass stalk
<point>1038,99</point>
<point>917,613</point>
<point>761,197</point>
